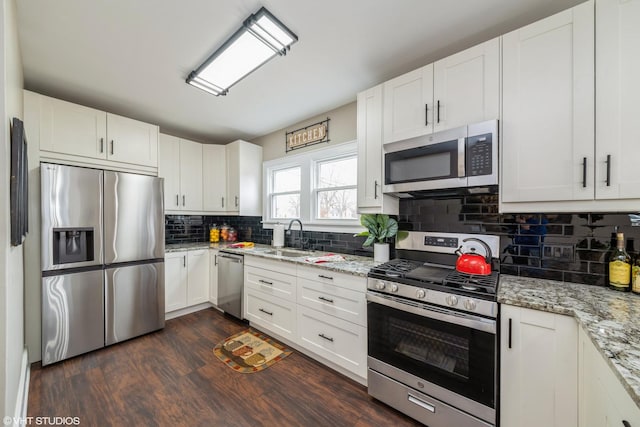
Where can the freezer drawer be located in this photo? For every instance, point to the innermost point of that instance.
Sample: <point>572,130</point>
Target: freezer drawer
<point>72,315</point>
<point>133,217</point>
<point>134,301</point>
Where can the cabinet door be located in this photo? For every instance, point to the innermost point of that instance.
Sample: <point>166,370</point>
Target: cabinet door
<point>72,129</point>
<point>617,94</point>
<point>548,109</point>
<point>132,141</point>
<point>213,276</point>
<point>370,148</point>
<point>190,176</point>
<point>408,105</point>
<point>538,368</point>
<point>233,177</point>
<point>249,201</point>
<point>169,169</point>
<point>466,86</point>
<point>214,177</point>
<point>198,277</point>
<point>271,313</point>
<point>175,280</point>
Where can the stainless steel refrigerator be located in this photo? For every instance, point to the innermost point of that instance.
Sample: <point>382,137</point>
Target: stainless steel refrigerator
<point>102,258</point>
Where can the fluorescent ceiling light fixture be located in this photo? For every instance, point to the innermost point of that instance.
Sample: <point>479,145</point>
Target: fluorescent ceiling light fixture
<point>261,37</point>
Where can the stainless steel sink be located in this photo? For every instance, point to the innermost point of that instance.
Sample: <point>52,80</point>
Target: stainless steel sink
<point>289,253</point>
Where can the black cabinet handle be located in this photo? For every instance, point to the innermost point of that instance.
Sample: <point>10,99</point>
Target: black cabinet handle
<point>215,260</point>
<point>325,277</point>
<point>626,423</point>
<point>236,201</point>
<point>325,337</point>
<point>265,312</point>
<point>177,200</point>
<point>608,170</point>
<point>184,198</point>
<point>223,202</point>
<point>584,172</point>
<point>375,189</point>
<point>509,333</point>
<point>265,282</point>
<point>326,299</point>
<point>426,114</point>
<point>438,111</point>
<point>184,261</point>
<point>102,145</point>
<point>112,146</point>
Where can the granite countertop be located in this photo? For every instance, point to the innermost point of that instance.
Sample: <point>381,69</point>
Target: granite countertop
<point>353,264</point>
<point>611,319</point>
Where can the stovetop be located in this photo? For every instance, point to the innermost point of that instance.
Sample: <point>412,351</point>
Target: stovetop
<point>438,277</point>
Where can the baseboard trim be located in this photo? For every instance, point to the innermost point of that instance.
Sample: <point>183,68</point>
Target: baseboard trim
<point>23,390</point>
<point>187,310</point>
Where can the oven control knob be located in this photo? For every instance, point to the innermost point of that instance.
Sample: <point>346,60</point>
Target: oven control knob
<point>452,300</point>
<point>380,286</point>
<point>470,304</point>
<point>421,293</point>
<point>394,288</point>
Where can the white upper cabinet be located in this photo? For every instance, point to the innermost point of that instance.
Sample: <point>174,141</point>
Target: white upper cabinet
<point>458,90</point>
<point>180,165</point>
<point>370,168</point>
<point>244,178</point>
<point>214,174</point>
<point>408,105</point>
<point>81,135</point>
<point>132,141</point>
<point>466,86</point>
<point>548,107</point>
<point>617,95</point>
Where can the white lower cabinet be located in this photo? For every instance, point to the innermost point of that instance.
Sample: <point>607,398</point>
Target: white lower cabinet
<point>272,313</point>
<point>538,369</point>
<point>319,311</point>
<point>186,279</point>
<point>341,342</point>
<point>213,276</point>
<point>603,401</point>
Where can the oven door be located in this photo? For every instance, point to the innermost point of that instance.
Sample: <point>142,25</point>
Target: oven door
<point>455,351</point>
<point>426,162</point>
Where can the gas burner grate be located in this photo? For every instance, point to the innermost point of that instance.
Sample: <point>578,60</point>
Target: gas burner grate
<point>395,268</point>
<point>472,282</point>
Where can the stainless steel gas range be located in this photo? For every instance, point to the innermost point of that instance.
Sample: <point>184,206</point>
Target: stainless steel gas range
<point>432,332</point>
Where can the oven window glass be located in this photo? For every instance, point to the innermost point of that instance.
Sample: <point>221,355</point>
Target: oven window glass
<point>458,358</point>
<point>437,161</point>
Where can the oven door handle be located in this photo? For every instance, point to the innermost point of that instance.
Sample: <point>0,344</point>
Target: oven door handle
<point>436,313</point>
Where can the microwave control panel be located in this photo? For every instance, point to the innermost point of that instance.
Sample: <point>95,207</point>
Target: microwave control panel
<point>479,155</point>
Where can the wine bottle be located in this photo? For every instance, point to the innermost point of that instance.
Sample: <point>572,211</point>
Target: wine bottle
<point>620,266</point>
<point>635,275</point>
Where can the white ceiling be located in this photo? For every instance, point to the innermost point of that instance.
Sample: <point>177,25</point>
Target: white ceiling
<point>131,57</point>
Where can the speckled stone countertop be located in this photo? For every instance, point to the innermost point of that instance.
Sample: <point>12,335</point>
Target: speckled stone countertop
<point>355,265</point>
<point>611,319</point>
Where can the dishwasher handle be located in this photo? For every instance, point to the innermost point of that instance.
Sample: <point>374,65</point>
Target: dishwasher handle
<point>239,259</point>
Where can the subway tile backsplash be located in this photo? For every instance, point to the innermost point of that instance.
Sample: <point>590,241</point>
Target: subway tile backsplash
<point>566,247</point>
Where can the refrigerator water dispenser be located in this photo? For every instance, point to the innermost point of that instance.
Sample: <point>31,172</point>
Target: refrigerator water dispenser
<point>72,245</point>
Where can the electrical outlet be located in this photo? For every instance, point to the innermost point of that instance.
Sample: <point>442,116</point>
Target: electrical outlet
<point>558,251</point>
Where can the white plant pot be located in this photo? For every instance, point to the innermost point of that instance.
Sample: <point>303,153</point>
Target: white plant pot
<point>381,252</point>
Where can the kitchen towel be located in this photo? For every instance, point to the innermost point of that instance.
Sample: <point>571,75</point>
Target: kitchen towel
<point>278,235</point>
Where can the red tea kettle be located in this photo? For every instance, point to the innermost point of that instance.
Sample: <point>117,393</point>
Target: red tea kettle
<point>473,263</point>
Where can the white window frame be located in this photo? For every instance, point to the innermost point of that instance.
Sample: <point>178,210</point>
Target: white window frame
<point>308,162</point>
<point>315,187</point>
<point>272,193</point>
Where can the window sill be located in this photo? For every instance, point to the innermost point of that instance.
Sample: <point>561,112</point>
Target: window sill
<point>318,226</point>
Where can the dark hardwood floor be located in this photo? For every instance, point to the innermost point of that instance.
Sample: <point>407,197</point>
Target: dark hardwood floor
<point>172,378</point>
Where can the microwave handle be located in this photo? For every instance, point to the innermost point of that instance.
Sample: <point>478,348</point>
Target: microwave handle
<point>462,172</point>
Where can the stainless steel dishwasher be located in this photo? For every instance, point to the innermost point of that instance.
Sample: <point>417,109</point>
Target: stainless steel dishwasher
<point>230,283</point>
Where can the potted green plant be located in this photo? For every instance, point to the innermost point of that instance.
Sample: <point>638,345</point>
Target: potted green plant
<point>380,228</point>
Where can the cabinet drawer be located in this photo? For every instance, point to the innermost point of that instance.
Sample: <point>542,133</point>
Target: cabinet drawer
<point>333,300</point>
<point>270,282</point>
<point>349,281</point>
<point>272,313</point>
<point>337,340</point>
<point>270,264</point>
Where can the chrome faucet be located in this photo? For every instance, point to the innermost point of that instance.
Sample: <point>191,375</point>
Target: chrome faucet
<point>301,230</point>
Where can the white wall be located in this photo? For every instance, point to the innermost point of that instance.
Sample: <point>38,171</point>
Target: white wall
<point>342,128</point>
<point>11,259</point>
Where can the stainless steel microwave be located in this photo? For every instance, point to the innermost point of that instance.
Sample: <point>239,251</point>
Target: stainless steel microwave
<point>456,158</point>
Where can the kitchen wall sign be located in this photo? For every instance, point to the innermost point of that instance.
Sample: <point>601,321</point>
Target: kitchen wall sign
<point>307,136</point>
